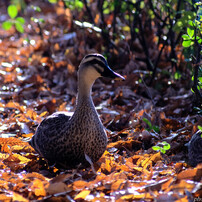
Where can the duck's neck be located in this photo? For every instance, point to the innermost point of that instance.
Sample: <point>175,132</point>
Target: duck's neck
<point>85,110</point>
<point>84,91</point>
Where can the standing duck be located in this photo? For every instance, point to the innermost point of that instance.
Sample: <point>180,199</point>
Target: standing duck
<point>80,139</point>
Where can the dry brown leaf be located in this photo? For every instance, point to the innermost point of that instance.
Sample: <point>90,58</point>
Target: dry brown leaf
<point>146,196</point>
<point>181,187</point>
<point>82,194</point>
<point>5,198</point>
<point>34,175</point>
<point>167,184</point>
<point>118,184</point>
<point>79,185</point>
<point>187,174</point>
<point>15,105</point>
<point>3,156</point>
<point>12,141</point>
<point>18,197</point>
<point>37,187</point>
<point>57,187</point>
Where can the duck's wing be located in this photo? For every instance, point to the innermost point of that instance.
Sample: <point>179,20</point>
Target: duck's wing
<point>48,131</point>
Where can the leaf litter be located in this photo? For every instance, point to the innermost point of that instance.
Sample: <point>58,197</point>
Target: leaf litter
<point>39,78</point>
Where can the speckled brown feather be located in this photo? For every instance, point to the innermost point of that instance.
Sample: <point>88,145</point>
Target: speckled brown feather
<point>65,141</point>
<point>195,149</point>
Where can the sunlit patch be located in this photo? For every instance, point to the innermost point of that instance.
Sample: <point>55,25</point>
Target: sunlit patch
<point>6,64</point>
<point>32,42</point>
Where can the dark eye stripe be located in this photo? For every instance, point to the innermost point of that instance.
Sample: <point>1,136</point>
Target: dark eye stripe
<point>94,63</point>
<point>97,56</point>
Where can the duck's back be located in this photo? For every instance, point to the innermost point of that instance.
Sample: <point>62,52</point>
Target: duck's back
<point>47,134</point>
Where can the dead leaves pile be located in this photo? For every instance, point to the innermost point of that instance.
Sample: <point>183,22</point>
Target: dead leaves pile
<point>139,177</point>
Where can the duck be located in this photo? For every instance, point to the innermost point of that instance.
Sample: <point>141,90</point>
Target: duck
<point>195,149</point>
<point>79,140</point>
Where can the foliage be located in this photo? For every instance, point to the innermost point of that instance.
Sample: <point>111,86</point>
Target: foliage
<point>162,147</point>
<point>151,127</point>
<point>18,22</point>
<point>193,41</point>
<point>200,128</point>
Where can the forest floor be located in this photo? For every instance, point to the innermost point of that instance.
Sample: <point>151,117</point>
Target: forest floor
<point>38,76</point>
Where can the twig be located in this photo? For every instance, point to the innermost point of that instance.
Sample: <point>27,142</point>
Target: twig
<point>100,8</point>
<point>156,63</point>
<point>196,69</point>
<point>144,45</point>
<point>171,35</point>
<point>89,12</point>
<point>116,10</point>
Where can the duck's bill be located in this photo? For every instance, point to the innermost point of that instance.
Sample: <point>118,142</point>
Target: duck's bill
<point>111,74</point>
<point>118,77</point>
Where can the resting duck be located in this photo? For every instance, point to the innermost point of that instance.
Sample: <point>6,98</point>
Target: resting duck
<point>80,139</point>
<point>195,149</point>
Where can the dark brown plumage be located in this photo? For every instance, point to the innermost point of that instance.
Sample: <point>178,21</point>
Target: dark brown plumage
<point>64,140</point>
<point>195,149</point>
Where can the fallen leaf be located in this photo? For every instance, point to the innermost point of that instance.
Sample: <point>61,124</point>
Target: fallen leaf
<point>82,194</point>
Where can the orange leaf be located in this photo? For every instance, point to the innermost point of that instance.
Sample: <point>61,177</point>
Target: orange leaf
<point>82,194</point>
<point>22,159</point>
<point>57,187</point>
<point>15,105</point>
<point>190,173</point>
<point>79,185</point>
<point>38,188</point>
<point>4,142</point>
<point>18,197</point>
<point>130,197</point>
<point>118,185</point>
<point>5,197</point>
<point>35,175</point>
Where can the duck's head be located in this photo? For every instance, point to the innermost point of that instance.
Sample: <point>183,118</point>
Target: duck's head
<point>94,66</point>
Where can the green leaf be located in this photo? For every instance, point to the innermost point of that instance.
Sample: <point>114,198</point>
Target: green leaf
<point>19,27</point>
<point>12,11</point>
<point>185,36</point>
<point>191,23</point>
<point>41,20</point>
<point>36,8</point>
<point>147,122</point>
<point>21,20</point>
<point>163,150</point>
<point>156,148</point>
<point>186,43</point>
<point>177,75</point>
<point>7,25</point>
<point>34,19</point>
<point>156,129</point>
<point>200,41</point>
<point>166,146</point>
<point>190,32</point>
<point>78,4</point>
<point>53,1</point>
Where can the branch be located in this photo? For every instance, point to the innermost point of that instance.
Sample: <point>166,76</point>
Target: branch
<point>89,12</point>
<point>196,69</point>
<point>156,63</point>
<point>144,45</point>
